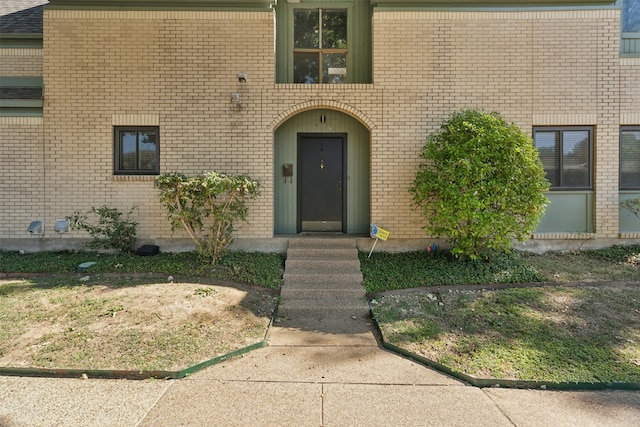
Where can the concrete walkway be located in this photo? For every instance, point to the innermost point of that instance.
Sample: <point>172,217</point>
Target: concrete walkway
<point>322,367</point>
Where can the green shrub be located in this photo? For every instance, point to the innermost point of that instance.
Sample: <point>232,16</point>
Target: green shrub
<point>482,185</point>
<point>110,230</point>
<point>210,198</point>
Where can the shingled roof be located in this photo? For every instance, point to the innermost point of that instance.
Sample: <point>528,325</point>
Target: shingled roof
<point>21,16</point>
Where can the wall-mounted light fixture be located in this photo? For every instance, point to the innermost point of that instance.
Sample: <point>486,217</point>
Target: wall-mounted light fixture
<point>61,225</point>
<point>36,227</point>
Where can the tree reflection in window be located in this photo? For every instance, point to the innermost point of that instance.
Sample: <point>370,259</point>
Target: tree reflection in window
<point>631,16</point>
<point>320,56</point>
<point>137,151</point>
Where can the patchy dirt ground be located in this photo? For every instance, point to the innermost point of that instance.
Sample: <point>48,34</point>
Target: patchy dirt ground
<point>93,323</point>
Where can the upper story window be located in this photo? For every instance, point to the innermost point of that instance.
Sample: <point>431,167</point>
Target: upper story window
<point>136,151</point>
<point>566,155</point>
<point>630,16</point>
<point>630,27</point>
<point>320,46</point>
<point>323,42</point>
<point>630,158</point>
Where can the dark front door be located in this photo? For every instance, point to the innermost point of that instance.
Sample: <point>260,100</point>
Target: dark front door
<point>321,198</point>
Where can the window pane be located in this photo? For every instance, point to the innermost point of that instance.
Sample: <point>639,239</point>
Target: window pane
<point>334,29</point>
<point>306,68</point>
<point>306,33</point>
<point>334,68</point>
<point>575,159</point>
<point>548,146</point>
<point>630,16</point>
<point>148,149</point>
<point>127,150</point>
<point>630,159</point>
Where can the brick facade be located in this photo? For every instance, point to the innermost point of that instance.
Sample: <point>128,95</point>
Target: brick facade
<point>21,62</point>
<point>177,69</point>
<point>22,174</point>
<point>535,68</point>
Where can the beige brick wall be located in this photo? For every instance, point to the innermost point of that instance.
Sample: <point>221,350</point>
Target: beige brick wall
<point>172,69</point>
<point>178,70</point>
<point>179,74</point>
<point>21,62</point>
<point>22,172</point>
<point>535,68</point>
<point>630,91</point>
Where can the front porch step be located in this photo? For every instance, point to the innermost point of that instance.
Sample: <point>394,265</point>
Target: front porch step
<point>323,264</point>
<point>320,294</point>
<point>322,281</point>
<point>306,307</point>
<point>328,254</point>
<point>321,278</point>
<point>324,286</point>
<point>321,243</point>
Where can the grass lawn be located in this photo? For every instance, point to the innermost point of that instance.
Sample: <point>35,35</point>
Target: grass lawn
<point>109,323</point>
<point>125,313</point>
<point>166,312</point>
<point>551,333</point>
<point>557,334</point>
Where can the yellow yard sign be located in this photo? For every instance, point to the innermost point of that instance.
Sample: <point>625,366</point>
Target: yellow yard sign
<point>382,234</point>
<point>377,233</point>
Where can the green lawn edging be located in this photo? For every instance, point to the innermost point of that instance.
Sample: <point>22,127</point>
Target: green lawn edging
<point>502,383</point>
<point>133,374</point>
<point>123,373</point>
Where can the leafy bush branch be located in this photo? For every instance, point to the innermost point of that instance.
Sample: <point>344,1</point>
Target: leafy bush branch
<point>206,206</point>
<point>111,230</point>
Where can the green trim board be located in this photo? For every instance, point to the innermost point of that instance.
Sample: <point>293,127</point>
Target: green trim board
<point>21,96</point>
<point>21,91</point>
<point>21,112</point>
<point>20,103</point>
<point>21,81</point>
<point>492,6</point>
<point>630,44</point>
<point>488,3</point>
<point>248,5</point>
<point>21,40</point>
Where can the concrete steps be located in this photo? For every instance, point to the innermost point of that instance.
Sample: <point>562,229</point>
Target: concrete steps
<point>322,279</point>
